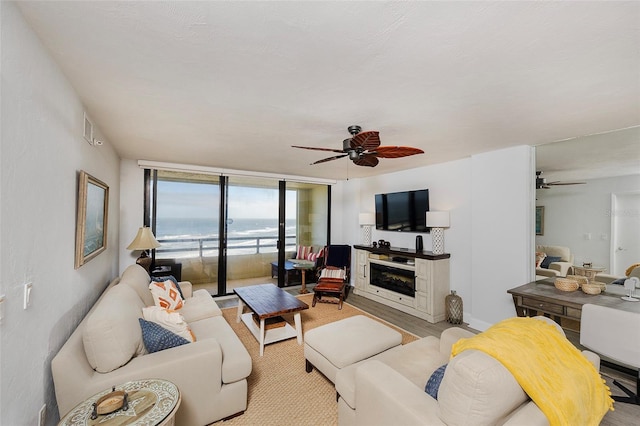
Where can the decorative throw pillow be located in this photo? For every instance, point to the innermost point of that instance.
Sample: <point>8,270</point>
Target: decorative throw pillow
<point>156,338</point>
<point>303,252</point>
<point>166,295</point>
<point>333,274</point>
<point>549,260</point>
<point>433,384</point>
<point>170,320</point>
<point>540,255</point>
<point>172,278</point>
<point>315,256</point>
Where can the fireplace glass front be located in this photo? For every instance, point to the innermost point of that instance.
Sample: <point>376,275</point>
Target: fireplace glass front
<point>394,279</point>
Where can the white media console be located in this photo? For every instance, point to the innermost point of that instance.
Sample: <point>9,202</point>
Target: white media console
<point>413,282</point>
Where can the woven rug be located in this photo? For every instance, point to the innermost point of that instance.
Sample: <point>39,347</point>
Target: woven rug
<point>280,391</point>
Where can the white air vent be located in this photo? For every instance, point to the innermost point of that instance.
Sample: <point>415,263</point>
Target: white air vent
<point>88,129</point>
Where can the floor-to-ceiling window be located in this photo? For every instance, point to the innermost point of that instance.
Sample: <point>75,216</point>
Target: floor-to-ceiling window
<point>227,232</point>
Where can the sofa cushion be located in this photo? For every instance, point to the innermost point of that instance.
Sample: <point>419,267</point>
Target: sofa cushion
<point>168,319</point>
<point>111,334</point>
<point>236,361</point>
<point>199,307</point>
<point>136,277</point>
<point>563,252</point>
<point>477,390</point>
<point>166,295</point>
<point>540,255</point>
<point>157,338</point>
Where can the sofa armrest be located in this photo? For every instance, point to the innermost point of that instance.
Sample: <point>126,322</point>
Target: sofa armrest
<point>563,267</point>
<point>187,289</point>
<point>187,365</point>
<point>385,397</point>
<point>551,273</point>
<point>450,336</point>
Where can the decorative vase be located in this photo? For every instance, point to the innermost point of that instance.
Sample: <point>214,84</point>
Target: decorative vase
<point>453,308</point>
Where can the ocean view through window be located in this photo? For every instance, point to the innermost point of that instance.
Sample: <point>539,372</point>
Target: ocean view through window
<point>189,209</point>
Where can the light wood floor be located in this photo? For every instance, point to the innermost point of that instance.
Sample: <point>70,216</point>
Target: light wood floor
<point>624,414</point>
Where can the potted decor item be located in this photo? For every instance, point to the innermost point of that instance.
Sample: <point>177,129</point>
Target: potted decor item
<point>453,308</point>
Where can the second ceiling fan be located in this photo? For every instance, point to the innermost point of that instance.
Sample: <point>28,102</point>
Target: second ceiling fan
<point>364,149</point>
<point>541,183</point>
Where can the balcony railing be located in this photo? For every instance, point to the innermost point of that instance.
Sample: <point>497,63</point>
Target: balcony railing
<point>208,246</point>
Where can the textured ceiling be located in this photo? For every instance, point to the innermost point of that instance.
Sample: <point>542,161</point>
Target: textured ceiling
<point>235,84</point>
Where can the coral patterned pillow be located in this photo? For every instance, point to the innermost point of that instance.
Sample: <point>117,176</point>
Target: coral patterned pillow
<point>166,295</point>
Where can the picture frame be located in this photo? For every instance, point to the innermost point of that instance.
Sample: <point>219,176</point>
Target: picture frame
<point>92,218</point>
<point>539,220</point>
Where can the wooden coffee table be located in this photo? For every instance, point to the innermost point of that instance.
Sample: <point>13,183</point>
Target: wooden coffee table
<point>267,303</point>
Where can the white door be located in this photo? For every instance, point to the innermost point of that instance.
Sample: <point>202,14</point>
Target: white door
<point>625,222</point>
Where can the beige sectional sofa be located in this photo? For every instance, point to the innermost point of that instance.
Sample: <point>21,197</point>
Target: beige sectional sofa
<point>107,349</point>
<point>389,388</point>
<point>556,269</point>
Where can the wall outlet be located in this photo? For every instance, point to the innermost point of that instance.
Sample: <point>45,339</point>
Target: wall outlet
<point>42,415</point>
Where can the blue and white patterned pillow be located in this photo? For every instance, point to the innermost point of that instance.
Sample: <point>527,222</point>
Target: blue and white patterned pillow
<point>169,277</point>
<point>157,338</point>
<point>433,384</point>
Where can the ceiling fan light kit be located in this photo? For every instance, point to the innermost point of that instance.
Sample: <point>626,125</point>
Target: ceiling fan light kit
<point>364,149</point>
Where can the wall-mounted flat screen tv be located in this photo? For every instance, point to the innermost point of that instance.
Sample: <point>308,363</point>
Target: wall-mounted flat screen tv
<point>402,211</point>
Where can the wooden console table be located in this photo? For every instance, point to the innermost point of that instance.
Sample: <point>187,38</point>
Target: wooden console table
<point>542,298</point>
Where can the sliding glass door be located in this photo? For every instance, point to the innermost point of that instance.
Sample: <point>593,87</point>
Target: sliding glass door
<point>227,232</point>
<point>252,230</point>
<point>186,222</point>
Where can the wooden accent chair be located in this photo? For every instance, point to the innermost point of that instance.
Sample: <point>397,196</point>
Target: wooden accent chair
<point>333,275</point>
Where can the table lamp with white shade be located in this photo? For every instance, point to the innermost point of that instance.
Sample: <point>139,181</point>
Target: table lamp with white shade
<point>437,221</point>
<point>366,220</point>
<point>144,240</point>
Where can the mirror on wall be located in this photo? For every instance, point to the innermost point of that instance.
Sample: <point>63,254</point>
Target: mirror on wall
<point>591,198</point>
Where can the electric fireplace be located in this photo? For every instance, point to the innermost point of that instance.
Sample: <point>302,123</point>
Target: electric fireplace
<point>394,279</point>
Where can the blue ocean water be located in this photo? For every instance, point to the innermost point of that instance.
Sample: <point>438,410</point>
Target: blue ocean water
<point>243,235</point>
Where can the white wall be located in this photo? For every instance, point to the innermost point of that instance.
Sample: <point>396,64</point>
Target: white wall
<point>579,217</point>
<point>490,198</point>
<point>41,153</point>
<point>502,198</point>
<point>131,209</point>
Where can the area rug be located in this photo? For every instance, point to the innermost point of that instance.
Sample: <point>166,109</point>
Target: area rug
<point>280,391</point>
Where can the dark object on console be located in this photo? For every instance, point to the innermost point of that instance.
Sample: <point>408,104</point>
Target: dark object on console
<point>419,245</point>
<point>163,267</point>
<point>334,275</point>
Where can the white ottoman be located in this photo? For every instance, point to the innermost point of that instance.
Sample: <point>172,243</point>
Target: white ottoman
<point>339,344</point>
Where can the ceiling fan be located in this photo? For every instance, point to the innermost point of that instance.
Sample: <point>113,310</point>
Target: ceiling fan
<point>541,183</point>
<point>364,149</point>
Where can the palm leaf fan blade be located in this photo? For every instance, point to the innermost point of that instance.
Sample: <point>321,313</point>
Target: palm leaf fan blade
<point>396,151</point>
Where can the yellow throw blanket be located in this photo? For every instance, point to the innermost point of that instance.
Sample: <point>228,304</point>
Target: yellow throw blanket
<point>557,377</point>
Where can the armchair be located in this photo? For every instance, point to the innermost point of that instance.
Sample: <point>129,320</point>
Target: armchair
<point>561,267</point>
<point>333,275</point>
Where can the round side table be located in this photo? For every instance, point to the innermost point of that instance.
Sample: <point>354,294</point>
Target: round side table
<point>304,267</point>
<point>152,402</point>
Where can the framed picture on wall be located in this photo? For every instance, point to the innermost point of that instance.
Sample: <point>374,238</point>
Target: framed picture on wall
<point>92,218</point>
<point>539,220</point>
